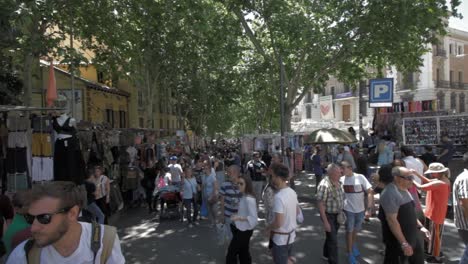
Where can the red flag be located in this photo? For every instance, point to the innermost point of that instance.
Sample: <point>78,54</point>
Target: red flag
<point>51,88</point>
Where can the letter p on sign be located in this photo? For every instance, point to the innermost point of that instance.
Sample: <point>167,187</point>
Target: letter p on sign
<point>380,89</point>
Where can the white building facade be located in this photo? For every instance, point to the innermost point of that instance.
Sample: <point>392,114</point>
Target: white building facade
<point>441,85</point>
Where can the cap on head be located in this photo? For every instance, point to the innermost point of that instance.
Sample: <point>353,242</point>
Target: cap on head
<point>173,158</point>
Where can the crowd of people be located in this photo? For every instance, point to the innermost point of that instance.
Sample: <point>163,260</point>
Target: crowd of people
<point>60,222</point>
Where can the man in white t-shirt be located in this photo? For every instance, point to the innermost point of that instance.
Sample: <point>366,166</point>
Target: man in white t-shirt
<point>58,237</point>
<point>176,171</point>
<point>413,163</point>
<point>286,208</point>
<point>355,187</point>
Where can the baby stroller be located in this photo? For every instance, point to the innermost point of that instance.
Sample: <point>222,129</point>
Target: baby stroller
<point>170,196</point>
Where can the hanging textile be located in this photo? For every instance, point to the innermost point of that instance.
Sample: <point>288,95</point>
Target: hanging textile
<point>42,169</point>
<point>68,160</point>
<point>298,161</point>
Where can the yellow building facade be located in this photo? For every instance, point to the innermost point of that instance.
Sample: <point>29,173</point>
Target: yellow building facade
<point>122,105</point>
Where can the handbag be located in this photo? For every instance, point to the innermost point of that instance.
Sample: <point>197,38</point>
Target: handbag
<point>341,218</point>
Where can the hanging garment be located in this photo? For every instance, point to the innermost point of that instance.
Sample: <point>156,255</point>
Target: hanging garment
<point>41,124</point>
<point>16,160</point>
<point>298,160</point>
<point>95,155</point>
<point>41,145</point>
<point>68,161</point>
<point>17,139</point>
<point>17,182</point>
<point>150,156</point>
<point>130,179</point>
<point>132,153</point>
<point>42,169</point>
<point>18,123</point>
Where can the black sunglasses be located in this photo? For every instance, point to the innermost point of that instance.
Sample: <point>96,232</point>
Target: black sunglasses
<point>408,178</point>
<point>44,218</point>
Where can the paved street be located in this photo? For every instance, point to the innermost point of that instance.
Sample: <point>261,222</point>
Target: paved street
<point>146,240</point>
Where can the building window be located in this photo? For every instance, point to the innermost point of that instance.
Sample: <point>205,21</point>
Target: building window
<point>140,98</point>
<point>408,80</point>
<point>441,100</point>
<point>110,117</point>
<point>100,77</point>
<point>453,101</point>
<point>438,75</point>
<point>308,111</point>
<point>347,88</point>
<point>161,124</point>
<point>168,125</point>
<point>123,119</point>
<point>460,50</point>
<point>451,77</point>
<point>309,97</point>
<point>141,122</point>
<point>451,49</point>
<point>462,103</point>
<point>460,77</point>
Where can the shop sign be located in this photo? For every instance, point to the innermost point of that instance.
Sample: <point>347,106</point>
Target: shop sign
<point>344,95</point>
<point>381,92</point>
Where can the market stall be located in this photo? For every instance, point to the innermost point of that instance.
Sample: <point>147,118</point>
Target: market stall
<point>420,131</point>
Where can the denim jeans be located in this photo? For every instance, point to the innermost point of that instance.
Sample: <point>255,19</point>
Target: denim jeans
<point>330,248</point>
<point>188,210</point>
<point>93,208</point>
<point>464,236</point>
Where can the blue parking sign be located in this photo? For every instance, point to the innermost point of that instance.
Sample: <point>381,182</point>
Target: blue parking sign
<point>381,92</point>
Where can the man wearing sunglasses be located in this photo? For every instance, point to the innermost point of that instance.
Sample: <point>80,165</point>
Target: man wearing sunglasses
<point>400,226</point>
<point>57,236</point>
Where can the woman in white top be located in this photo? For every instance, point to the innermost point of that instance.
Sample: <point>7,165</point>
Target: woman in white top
<point>102,191</point>
<point>243,224</point>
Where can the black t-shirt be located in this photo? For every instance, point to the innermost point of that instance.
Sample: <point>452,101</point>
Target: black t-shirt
<point>254,168</point>
<point>90,190</point>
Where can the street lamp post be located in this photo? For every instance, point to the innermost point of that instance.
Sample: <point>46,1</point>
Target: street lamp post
<point>281,104</point>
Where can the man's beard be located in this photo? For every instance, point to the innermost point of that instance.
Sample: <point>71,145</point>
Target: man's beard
<point>54,237</point>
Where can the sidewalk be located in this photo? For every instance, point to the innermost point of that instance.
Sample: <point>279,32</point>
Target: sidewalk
<point>146,240</point>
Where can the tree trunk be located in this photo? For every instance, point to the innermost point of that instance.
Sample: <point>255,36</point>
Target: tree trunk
<point>27,78</point>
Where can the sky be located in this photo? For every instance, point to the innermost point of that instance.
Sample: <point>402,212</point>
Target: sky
<point>461,24</point>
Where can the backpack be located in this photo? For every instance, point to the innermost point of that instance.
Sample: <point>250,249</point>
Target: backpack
<point>33,253</point>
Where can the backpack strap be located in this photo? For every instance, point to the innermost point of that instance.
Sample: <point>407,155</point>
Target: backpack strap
<point>95,238</point>
<point>33,253</point>
<point>108,239</point>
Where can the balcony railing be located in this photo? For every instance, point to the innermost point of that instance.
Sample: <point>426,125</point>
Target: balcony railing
<point>453,85</point>
<point>440,53</point>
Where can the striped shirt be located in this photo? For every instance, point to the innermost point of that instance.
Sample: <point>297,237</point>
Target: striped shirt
<point>460,191</point>
<point>231,195</point>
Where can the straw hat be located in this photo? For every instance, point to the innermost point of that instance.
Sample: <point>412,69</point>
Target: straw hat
<point>436,167</point>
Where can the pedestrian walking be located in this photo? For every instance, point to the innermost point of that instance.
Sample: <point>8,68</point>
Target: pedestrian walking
<point>102,183</point>
<point>243,224</point>
<point>460,206</point>
<point>286,208</point>
<point>355,187</point>
<point>317,166</point>
<point>400,226</point>
<point>257,171</point>
<point>210,190</point>
<point>438,192</point>
<point>330,202</point>
<point>189,196</point>
<point>91,206</point>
